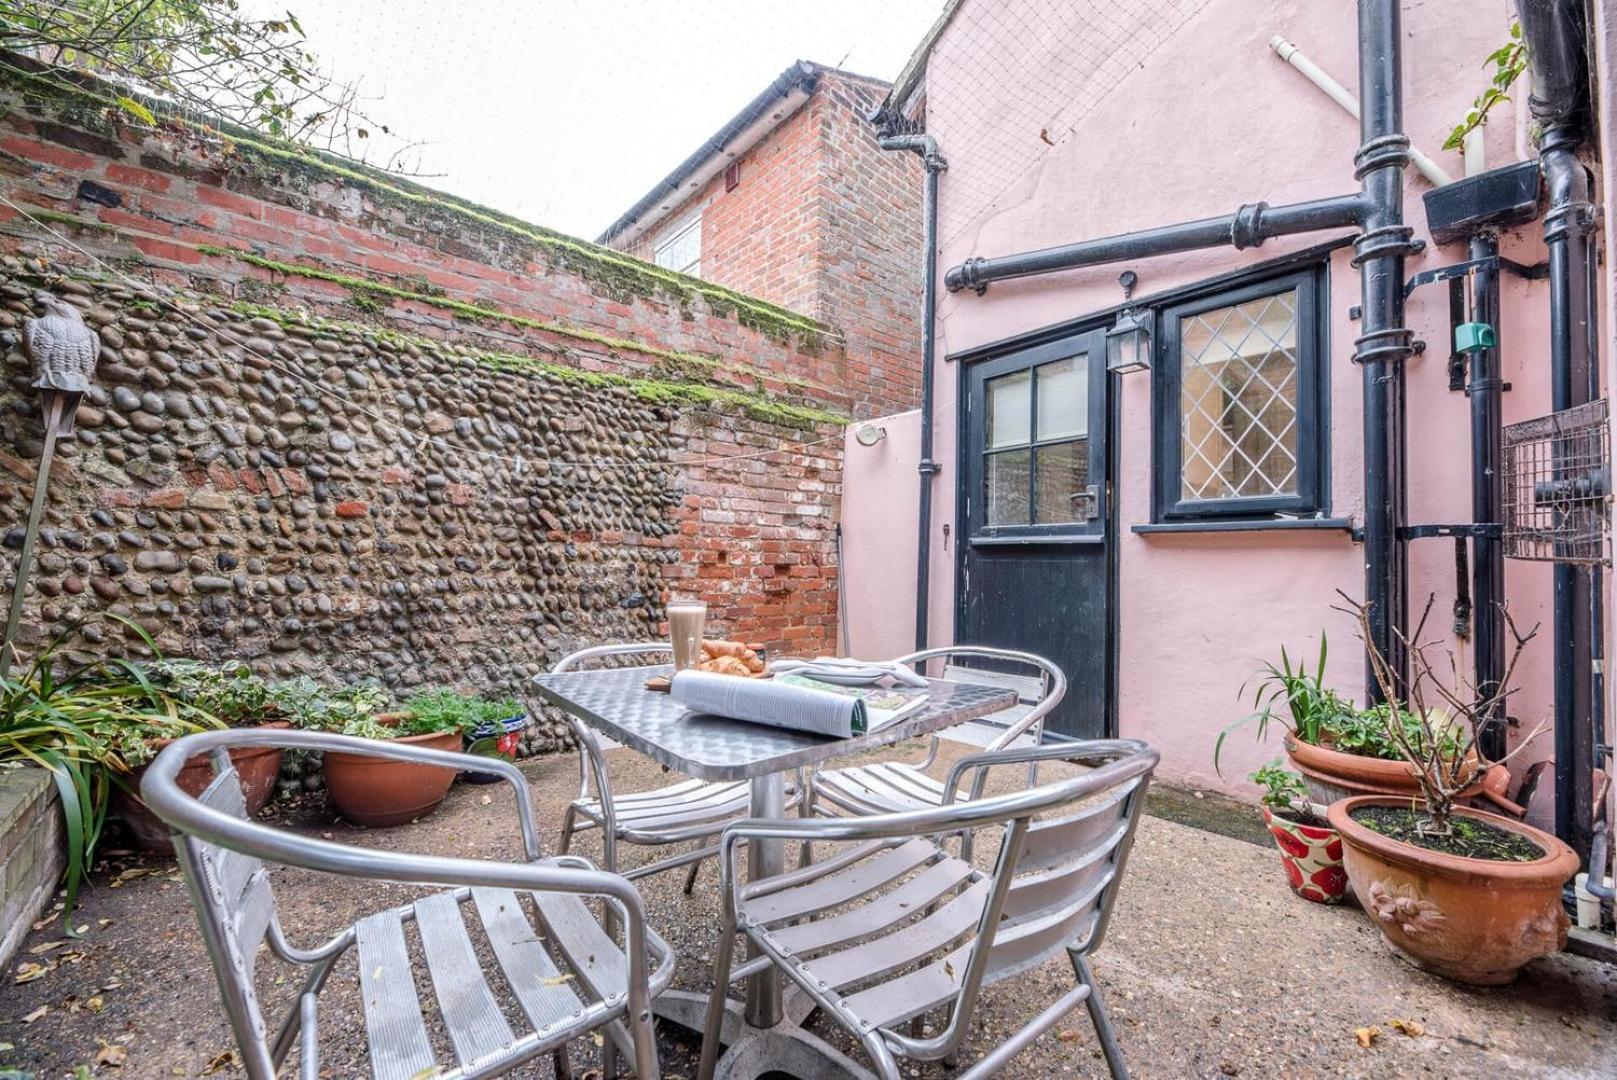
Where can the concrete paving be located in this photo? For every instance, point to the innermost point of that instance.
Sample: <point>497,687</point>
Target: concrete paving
<point>1213,968</point>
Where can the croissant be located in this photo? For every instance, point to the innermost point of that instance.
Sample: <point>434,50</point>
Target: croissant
<point>736,649</point>
<point>726,665</point>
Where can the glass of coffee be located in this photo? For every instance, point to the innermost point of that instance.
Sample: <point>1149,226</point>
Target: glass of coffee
<point>686,619</point>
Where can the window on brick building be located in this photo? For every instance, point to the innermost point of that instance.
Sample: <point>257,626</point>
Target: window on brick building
<point>680,248</point>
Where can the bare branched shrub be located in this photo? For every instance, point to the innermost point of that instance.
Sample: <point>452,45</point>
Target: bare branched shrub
<point>1449,712</point>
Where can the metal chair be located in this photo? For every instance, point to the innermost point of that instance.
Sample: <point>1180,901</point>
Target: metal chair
<point>570,979</point>
<point>691,810</point>
<point>894,927</point>
<point>890,787</point>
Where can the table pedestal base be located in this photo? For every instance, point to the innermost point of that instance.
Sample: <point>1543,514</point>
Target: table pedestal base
<point>753,1051</point>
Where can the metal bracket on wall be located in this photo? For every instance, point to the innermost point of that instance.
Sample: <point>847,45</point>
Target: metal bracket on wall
<point>1490,530</point>
<point>1536,272</point>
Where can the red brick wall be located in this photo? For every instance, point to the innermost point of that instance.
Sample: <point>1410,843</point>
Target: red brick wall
<point>826,223</point>
<point>755,536</point>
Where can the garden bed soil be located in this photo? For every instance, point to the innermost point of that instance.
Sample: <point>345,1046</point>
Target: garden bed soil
<point>1469,838</point>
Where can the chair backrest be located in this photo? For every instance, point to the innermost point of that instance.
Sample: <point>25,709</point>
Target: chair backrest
<point>1060,860</point>
<point>1039,683</point>
<point>235,908</point>
<point>586,658</point>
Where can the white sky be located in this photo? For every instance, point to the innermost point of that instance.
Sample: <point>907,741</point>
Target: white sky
<point>564,112</point>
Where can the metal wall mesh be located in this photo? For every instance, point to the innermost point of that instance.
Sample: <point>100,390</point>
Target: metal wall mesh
<point>1557,486</point>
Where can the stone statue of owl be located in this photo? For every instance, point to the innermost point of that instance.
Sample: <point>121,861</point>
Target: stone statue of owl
<point>63,351</point>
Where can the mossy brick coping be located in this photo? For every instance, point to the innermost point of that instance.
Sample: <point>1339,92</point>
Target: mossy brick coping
<point>364,287</point>
<point>602,263</point>
<point>653,391</point>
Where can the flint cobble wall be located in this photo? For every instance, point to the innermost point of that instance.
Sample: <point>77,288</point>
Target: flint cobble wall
<point>378,476</point>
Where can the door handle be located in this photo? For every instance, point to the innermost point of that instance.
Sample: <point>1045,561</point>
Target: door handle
<point>1087,503</point>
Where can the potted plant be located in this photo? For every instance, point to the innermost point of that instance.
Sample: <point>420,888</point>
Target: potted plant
<point>88,725</point>
<point>1339,748</point>
<point>1310,850</point>
<point>492,728</point>
<point>1463,893</point>
<point>232,695</point>
<point>371,791</point>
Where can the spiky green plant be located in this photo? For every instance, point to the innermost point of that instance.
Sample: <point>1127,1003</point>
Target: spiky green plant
<point>88,725</point>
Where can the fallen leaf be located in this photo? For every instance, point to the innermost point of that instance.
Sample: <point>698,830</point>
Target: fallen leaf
<point>110,1055</point>
<point>129,875</point>
<point>111,984</point>
<point>556,980</point>
<point>1366,1036</point>
<point>1069,1035</point>
<point>4,1046</point>
<point>427,1074</point>
<point>219,1061</point>
<point>27,973</point>
<point>600,1040</point>
<point>95,1004</point>
<point>49,946</point>
<point>36,1014</point>
<point>487,800</point>
<point>1412,1028</point>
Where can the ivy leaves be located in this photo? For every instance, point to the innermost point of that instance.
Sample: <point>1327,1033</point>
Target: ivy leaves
<point>1509,61</point>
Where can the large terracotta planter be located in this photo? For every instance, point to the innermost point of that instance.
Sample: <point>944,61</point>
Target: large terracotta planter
<point>1472,920</point>
<point>256,766</point>
<point>1332,775</point>
<point>379,793</point>
<point>1311,855</point>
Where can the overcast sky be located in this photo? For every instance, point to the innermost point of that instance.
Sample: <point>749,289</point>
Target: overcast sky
<point>564,112</point>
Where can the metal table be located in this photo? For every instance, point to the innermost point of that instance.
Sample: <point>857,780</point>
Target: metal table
<point>762,1036</point>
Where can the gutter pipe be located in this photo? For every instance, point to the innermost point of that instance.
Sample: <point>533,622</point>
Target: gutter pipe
<point>927,147</point>
<point>1379,252</point>
<point>1485,390</point>
<point>1553,31</point>
<point>1340,94</point>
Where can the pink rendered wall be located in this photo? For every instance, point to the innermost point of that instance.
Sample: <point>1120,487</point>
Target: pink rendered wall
<point>881,501</point>
<point>1212,119</point>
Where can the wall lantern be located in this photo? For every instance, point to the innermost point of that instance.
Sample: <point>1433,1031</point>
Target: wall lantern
<point>869,434</point>
<point>1128,342</point>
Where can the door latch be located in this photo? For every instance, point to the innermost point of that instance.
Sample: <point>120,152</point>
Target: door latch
<point>1087,503</point>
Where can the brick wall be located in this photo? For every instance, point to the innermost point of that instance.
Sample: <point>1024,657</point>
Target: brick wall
<point>827,223</point>
<point>349,428</point>
<point>31,853</point>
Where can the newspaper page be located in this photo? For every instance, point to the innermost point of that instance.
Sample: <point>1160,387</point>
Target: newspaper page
<point>795,702</point>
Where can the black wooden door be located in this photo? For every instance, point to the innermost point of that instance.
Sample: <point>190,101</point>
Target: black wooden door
<point>1033,562</point>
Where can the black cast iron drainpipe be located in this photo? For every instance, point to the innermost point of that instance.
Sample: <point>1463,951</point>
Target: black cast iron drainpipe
<point>1554,33</point>
<point>927,147</point>
<point>1377,209</point>
<point>1485,391</point>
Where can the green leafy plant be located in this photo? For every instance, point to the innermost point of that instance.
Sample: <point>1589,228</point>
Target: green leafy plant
<point>447,710</point>
<point>1282,788</point>
<point>1509,61</point>
<point>89,725</point>
<point>229,691</point>
<point>1293,696</point>
<point>349,710</point>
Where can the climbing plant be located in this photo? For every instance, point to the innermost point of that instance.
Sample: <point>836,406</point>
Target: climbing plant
<point>1508,61</point>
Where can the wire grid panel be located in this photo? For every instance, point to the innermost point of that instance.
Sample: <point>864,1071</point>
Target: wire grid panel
<point>1009,80</point>
<point>1557,486</point>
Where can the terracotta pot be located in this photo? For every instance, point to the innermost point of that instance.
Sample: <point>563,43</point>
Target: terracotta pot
<point>1472,920</point>
<point>257,766</point>
<point>1311,856</point>
<point>1333,775</point>
<point>379,793</point>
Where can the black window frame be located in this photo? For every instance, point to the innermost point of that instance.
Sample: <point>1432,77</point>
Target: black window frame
<point>978,374</point>
<point>1312,497</point>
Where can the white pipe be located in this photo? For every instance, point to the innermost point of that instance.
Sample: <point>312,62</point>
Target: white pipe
<point>1340,94</point>
<point>1475,149</point>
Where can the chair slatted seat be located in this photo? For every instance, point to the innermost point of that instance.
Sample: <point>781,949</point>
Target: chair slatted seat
<point>516,964</point>
<point>893,926</point>
<point>892,787</point>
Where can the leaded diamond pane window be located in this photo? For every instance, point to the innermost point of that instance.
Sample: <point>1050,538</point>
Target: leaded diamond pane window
<point>1240,402</point>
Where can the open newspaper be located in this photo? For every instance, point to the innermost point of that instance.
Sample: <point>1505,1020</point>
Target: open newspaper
<point>796,702</point>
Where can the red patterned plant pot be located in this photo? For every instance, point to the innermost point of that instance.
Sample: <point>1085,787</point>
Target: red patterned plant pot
<point>1311,856</point>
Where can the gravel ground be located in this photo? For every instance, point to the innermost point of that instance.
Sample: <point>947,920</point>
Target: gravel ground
<point>1212,968</point>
